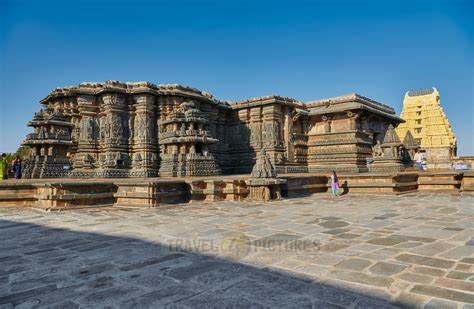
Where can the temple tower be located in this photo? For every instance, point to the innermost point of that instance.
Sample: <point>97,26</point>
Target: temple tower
<point>184,143</point>
<point>429,125</point>
<point>49,145</point>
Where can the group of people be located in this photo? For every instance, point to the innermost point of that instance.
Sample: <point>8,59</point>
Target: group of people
<point>16,167</point>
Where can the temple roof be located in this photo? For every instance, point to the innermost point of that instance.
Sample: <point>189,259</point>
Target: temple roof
<point>350,101</point>
<point>343,103</point>
<point>391,136</point>
<point>95,88</point>
<point>269,99</point>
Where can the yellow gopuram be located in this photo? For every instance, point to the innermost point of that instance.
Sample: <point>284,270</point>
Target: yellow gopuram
<point>429,126</point>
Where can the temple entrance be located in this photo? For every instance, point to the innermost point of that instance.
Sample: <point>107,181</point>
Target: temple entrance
<point>199,147</point>
<point>376,137</point>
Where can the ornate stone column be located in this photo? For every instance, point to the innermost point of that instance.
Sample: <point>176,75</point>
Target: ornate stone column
<point>256,128</point>
<point>272,133</point>
<point>145,137</point>
<point>114,132</point>
<point>86,159</point>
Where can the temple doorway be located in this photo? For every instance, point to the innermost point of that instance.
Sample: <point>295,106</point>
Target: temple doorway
<point>199,147</point>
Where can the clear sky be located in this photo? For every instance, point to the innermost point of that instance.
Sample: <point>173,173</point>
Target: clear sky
<point>240,49</point>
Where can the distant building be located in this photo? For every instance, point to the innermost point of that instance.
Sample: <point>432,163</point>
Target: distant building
<point>430,127</point>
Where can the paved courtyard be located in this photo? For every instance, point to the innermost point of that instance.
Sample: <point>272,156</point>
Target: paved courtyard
<point>354,251</point>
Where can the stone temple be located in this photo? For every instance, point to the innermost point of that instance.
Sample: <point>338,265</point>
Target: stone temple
<point>139,129</point>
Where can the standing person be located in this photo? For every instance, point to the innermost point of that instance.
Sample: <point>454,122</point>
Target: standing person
<point>16,167</point>
<point>3,167</point>
<point>334,184</point>
<point>418,158</point>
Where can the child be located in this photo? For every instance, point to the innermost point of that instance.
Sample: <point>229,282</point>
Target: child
<point>334,184</point>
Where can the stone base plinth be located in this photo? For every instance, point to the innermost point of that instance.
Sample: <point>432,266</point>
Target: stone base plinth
<point>264,189</point>
<point>440,181</point>
<point>386,183</point>
<point>387,165</point>
<point>304,185</point>
<point>467,185</point>
<point>62,194</point>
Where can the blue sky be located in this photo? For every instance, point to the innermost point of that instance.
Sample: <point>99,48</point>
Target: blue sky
<point>240,49</point>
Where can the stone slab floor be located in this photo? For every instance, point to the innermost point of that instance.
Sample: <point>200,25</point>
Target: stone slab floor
<point>354,251</point>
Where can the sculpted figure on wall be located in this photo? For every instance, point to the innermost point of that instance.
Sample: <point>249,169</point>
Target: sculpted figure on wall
<point>88,131</point>
<point>271,134</point>
<point>377,150</point>
<point>255,131</point>
<point>144,129</point>
<point>117,129</point>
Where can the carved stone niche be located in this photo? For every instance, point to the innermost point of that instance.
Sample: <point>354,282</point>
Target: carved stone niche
<point>327,123</point>
<point>354,119</point>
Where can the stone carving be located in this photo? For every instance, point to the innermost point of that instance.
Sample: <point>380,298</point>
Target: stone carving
<point>117,128</point>
<point>49,146</point>
<point>263,168</point>
<point>143,130</point>
<point>271,134</point>
<point>391,155</point>
<point>184,133</point>
<point>377,150</point>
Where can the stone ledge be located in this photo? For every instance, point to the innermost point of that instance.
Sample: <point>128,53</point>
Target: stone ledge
<point>71,193</point>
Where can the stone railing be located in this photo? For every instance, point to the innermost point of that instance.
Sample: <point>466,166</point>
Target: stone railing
<point>185,133</point>
<point>58,136</point>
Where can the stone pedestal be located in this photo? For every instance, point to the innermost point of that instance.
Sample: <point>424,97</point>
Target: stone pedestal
<point>264,189</point>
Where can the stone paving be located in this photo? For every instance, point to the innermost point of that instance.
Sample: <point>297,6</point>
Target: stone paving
<point>354,251</point>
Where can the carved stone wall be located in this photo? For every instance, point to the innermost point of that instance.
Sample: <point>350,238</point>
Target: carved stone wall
<point>144,130</point>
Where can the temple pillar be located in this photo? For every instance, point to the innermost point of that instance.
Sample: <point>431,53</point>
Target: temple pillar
<point>272,139</point>
<point>114,130</point>
<point>87,154</point>
<point>144,139</point>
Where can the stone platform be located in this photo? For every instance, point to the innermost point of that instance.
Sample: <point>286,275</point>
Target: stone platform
<point>60,194</point>
<point>355,251</point>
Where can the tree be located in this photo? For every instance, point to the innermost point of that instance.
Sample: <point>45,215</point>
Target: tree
<point>22,152</point>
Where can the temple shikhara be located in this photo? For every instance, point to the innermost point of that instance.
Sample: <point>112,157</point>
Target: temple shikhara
<point>139,129</point>
<point>428,125</point>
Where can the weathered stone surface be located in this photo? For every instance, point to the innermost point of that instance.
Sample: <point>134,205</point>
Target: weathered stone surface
<point>415,278</point>
<point>377,281</point>
<point>443,293</point>
<point>435,272</point>
<point>386,269</point>
<point>173,256</point>
<point>455,284</point>
<point>426,261</point>
<point>439,303</point>
<point>354,264</point>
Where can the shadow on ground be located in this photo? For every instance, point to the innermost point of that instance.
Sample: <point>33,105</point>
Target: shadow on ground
<point>59,268</point>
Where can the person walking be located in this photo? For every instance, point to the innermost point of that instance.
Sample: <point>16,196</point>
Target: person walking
<point>16,167</point>
<point>418,158</point>
<point>3,167</point>
<point>334,184</point>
